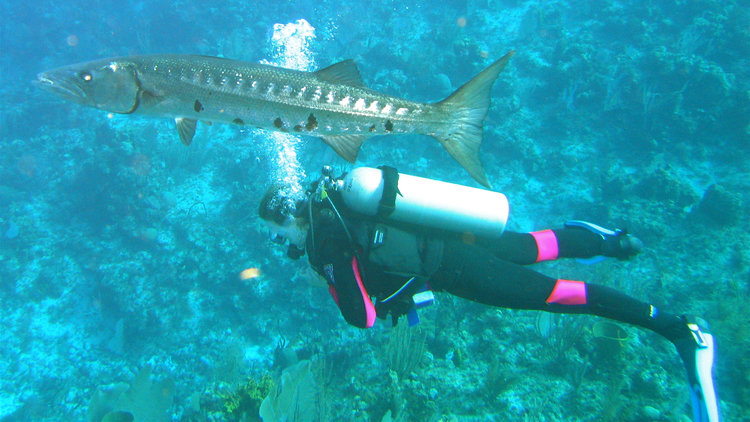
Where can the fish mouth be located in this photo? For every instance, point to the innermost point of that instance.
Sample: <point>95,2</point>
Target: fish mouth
<point>60,85</point>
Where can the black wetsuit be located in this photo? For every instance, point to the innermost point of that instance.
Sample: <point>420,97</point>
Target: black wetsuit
<point>488,271</point>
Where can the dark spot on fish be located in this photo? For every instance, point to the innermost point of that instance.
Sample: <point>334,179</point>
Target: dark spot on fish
<point>372,128</point>
<point>238,121</point>
<point>198,107</point>
<point>278,123</point>
<point>388,126</point>
<point>312,122</point>
<point>298,128</point>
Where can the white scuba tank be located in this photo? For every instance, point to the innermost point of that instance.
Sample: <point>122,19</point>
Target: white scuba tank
<point>429,202</point>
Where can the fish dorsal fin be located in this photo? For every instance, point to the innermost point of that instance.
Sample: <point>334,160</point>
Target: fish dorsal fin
<point>345,72</point>
<point>347,146</point>
<point>186,129</point>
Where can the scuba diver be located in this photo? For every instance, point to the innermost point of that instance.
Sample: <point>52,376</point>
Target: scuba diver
<point>385,241</point>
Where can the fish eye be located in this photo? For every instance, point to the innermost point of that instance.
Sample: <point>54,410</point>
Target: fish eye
<point>85,76</point>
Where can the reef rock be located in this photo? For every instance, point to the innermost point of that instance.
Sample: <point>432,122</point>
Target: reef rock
<point>720,205</point>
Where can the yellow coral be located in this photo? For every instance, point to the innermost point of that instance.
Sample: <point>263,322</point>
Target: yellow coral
<point>245,401</point>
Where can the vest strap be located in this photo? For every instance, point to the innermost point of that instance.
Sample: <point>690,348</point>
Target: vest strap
<point>390,189</point>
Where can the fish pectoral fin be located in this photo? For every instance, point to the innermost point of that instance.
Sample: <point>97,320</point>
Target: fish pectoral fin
<point>345,72</point>
<point>347,146</point>
<point>186,129</point>
<point>148,98</point>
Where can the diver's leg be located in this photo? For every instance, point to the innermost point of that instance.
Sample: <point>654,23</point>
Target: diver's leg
<point>475,274</point>
<point>573,241</point>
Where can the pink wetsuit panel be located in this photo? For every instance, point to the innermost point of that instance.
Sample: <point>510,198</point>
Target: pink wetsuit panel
<point>568,292</point>
<point>369,307</point>
<point>546,245</point>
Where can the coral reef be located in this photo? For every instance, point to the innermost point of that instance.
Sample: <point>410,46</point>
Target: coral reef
<point>721,206</point>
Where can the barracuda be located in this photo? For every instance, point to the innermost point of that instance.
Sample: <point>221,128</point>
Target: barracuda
<point>332,103</point>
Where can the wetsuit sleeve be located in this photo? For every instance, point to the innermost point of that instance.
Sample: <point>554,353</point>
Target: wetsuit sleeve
<point>335,261</point>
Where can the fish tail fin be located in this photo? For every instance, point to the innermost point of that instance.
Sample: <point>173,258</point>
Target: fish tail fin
<point>468,107</point>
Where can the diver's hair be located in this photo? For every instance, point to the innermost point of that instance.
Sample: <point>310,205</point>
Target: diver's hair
<point>278,205</point>
<point>269,208</point>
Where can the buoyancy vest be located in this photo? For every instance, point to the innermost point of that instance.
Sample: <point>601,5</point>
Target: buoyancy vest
<point>400,251</point>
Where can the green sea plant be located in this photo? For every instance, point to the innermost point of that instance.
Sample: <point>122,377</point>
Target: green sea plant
<point>143,400</point>
<point>405,349</point>
<point>566,331</point>
<point>244,403</point>
<point>500,377</point>
<point>294,396</point>
<point>613,400</point>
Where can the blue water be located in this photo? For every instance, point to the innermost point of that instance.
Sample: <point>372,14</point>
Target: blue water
<point>121,249</point>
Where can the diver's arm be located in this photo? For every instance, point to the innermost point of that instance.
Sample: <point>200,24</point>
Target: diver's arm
<point>347,289</point>
<point>332,256</point>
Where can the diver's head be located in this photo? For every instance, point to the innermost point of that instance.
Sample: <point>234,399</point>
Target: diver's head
<point>285,214</point>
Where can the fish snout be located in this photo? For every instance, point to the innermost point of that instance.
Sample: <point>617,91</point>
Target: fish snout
<point>43,81</point>
<point>60,83</point>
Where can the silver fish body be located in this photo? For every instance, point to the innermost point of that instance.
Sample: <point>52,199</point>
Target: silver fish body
<point>332,103</point>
